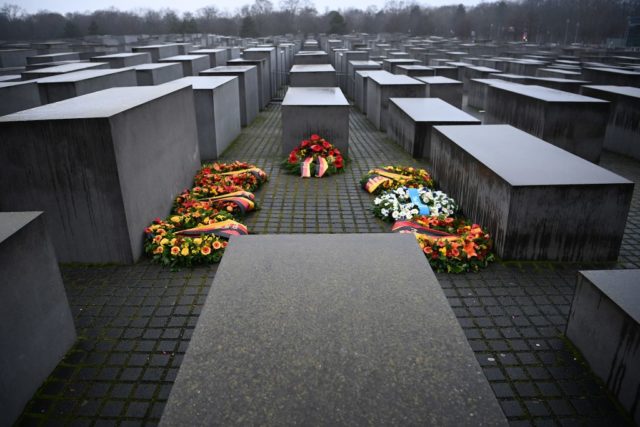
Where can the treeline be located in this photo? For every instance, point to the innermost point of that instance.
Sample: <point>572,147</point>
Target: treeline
<point>539,21</point>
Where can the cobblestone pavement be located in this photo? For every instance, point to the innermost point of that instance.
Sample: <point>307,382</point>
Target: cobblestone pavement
<point>134,322</point>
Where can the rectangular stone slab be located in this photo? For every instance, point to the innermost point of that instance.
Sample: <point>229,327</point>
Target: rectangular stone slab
<point>248,86</point>
<point>320,110</point>
<point>156,74</point>
<point>313,75</point>
<point>69,85</point>
<point>18,96</point>
<point>61,69</point>
<point>383,85</point>
<point>538,201</point>
<point>570,121</point>
<point>99,178</point>
<point>121,60</point>
<point>604,324</point>
<point>358,333</point>
<point>411,121</point>
<point>36,326</point>
<point>623,128</point>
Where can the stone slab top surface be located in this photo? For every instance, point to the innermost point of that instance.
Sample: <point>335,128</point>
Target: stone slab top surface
<point>633,92</point>
<point>549,95</point>
<point>66,68</point>
<point>483,69</point>
<point>558,80</point>
<point>10,84</point>
<point>154,46</point>
<point>385,78</point>
<point>459,64</point>
<point>101,104</point>
<point>153,66</point>
<point>343,337</point>
<point>401,61</point>
<point>437,80</point>
<point>208,50</point>
<point>121,55</point>
<point>414,67</point>
<point>367,73</point>
<point>247,61</point>
<point>368,63</point>
<point>183,58</point>
<point>53,55</point>
<point>202,82</point>
<point>561,71</point>
<point>228,69</point>
<point>260,49</point>
<point>488,81</point>
<point>311,53</point>
<point>81,75</point>
<point>313,68</point>
<point>314,96</point>
<point>432,110</point>
<point>11,222</point>
<point>524,160</point>
<point>621,286</point>
<point>615,71</point>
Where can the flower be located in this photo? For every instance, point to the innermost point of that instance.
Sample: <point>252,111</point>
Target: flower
<point>315,137</point>
<point>175,251</point>
<point>185,251</point>
<point>197,241</point>
<point>217,245</point>
<point>205,250</point>
<point>175,219</point>
<point>316,148</point>
<point>326,145</point>
<point>158,250</point>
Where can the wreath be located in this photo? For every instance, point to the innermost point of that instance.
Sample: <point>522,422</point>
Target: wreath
<point>238,174</point>
<point>404,203</point>
<point>186,240</point>
<point>232,199</point>
<point>314,156</point>
<point>392,177</point>
<point>452,245</point>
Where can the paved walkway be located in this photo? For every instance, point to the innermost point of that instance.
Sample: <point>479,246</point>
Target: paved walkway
<point>134,322</point>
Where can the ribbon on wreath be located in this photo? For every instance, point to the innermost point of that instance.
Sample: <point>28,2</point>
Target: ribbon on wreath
<point>305,168</point>
<point>243,200</point>
<point>422,232</point>
<point>257,172</point>
<point>414,195</point>
<point>321,166</point>
<point>380,176</point>
<point>226,229</point>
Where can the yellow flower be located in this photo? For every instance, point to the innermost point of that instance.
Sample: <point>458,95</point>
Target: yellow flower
<point>197,241</point>
<point>164,241</point>
<point>443,251</point>
<point>173,241</point>
<point>175,251</point>
<point>158,250</point>
<point>175,219</point>
<point>185,251</point>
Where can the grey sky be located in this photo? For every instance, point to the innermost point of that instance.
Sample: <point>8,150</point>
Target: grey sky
<point>64,6</point>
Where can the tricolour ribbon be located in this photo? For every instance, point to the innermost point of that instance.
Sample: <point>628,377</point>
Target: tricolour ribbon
<point>305,168</point>
<point>226,229</point>
<point>379,176</point>
<point>321,166</point>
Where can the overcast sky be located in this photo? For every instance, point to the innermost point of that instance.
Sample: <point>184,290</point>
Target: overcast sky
<point>64,6</point>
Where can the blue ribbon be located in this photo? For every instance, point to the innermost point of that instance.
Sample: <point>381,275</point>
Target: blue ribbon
<point>414,195</point>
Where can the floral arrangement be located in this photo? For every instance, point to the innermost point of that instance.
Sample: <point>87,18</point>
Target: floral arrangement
<point>204,217</point>
<point>392,177</point>
<point>314,156</point>
<point>238,174</point>
<point>452,245</point>
<point>394,205</point>
<point>168,247</point>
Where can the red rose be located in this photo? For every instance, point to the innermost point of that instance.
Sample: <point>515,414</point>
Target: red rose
<point>326,145</point>
<point>315,137</point>
<point>336,151</point>
<point>293,158</point>
<point>338,163</point>
<point>316,148</point>
<point>304,143</point>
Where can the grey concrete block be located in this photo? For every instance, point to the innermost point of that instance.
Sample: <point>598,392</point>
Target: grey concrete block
<point>313,75</point>
<point>535,199</point>
<point>101,165</point>
<point>477,92</point>
<point>157,74</point>
<point>121,60</point>
<point>15,57</point>
<point>611,76</point>
<point>414,70</point>
<point>412,119</point>
<point>53,57</point>
<point>390,64</point>
<point>263,77</point>
<point>18,96</point>
<point>248,86</point>
<point>572,122</point>
<point>191,64</point>
<point>320,110</point>
<point>311,57</point>
<point>269,55</point>
<point>623,128</point>
<point>354,66</point>
<point>383,85</point>
<point>449,90</point>
<point>217,106</point>
<point>363,341</point>
<point>158,51</point>
<point>69,85</point>
<point>36,327</point>
<point>63,69</point>
<point>604,323</point>
<point>217,57</point>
